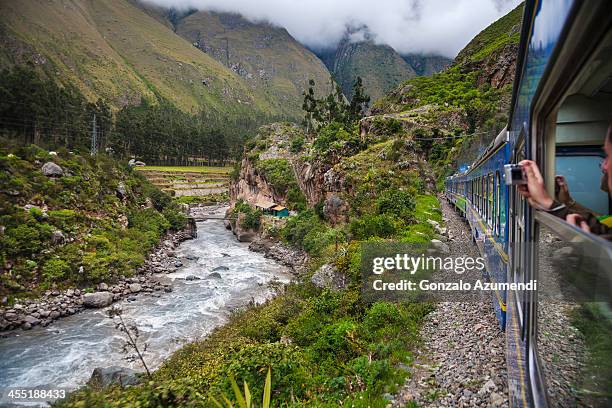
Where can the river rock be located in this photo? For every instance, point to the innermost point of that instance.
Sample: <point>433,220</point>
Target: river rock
<point>97,299</point>
<point>135,287</point>
<point>192,277</point>
<point>220,268</point>
<point>51,169</point>
<point>214,275</point>
<point>328,277</point>
<point>32,320</point>
<point>103,287</point>
<point>103,377</point>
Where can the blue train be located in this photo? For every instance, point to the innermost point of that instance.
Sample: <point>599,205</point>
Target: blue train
<point>561,107</point>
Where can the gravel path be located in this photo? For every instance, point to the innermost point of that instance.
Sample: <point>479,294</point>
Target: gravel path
<point>461,362</point>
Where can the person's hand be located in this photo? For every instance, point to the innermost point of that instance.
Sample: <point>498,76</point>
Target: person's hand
<point>577,221</point>
<point>534,191</point>
<point>562,194</point>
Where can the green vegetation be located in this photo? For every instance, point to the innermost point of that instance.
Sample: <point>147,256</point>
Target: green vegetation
<point>342,352</point>
<point>143,57</point>
<point>334,107</point>
<point>35,110</point>
<point>251,217</point>
<point>77,229</point>
<point>503,32</point>
<point>596,378</point>
<point>279,173</point>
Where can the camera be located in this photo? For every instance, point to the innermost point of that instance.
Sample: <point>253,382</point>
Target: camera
<point>514,174</point>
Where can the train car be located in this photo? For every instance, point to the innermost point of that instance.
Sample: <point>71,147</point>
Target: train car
<point>561,108</point>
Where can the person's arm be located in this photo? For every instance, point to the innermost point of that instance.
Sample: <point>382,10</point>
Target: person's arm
<point>562,195</point>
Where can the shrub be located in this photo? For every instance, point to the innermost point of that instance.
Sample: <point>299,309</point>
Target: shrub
<point>55,269</point>
<point>338,341</point>
<point>278,173</point>
<point>298,227</point>
<point>396,202</point>
<point>175,218</point>
<point>251,217</point>
<point>379,225</point>
<point>296,144</point>
<point>290,371</point>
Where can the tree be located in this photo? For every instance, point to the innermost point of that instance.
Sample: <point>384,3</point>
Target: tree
<point>359,102</point>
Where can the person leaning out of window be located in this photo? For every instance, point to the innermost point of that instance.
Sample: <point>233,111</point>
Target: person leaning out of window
<point>537,196</point>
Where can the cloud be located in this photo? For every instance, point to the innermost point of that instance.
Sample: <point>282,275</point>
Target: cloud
<point>421,26</point>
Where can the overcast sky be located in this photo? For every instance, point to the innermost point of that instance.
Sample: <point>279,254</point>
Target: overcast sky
<point>423,26</point>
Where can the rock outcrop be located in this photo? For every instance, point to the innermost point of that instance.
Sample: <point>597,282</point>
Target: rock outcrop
<point>103,377</point>
<point>328,277</point>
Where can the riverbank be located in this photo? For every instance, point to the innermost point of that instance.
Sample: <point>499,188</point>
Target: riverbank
<point>55,304</point>
<point>226,278</point>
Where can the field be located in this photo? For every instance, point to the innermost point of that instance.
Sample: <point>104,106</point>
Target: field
<point>189,181</point>
<point>187,169</point>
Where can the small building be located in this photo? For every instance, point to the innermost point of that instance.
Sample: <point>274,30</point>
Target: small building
<point>271,208</point>
<point>280,211</point>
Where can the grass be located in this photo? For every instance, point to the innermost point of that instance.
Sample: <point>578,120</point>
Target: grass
<point>189,169</point>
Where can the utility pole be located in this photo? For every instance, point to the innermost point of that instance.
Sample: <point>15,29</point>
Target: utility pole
<point>94,144</point>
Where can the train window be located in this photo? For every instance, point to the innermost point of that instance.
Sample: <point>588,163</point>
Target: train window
<point>480,195</point>
<point>497,205</point>
<point>490,199</point>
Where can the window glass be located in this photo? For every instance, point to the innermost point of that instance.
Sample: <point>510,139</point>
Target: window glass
<point>583,177</point>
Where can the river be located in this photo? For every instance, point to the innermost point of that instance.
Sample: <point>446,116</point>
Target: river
<point>64,354</point>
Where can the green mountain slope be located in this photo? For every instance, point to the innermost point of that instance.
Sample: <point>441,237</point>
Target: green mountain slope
<point>114,50</point>
<point>468,101</point>
<point>380,67</point>
<point>267,58</point>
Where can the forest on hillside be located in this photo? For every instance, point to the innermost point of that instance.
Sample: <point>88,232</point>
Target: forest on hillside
<point>39,111</point>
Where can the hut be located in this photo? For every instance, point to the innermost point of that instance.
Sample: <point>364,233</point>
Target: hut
<point>280,211</point>
<point>271,208</point>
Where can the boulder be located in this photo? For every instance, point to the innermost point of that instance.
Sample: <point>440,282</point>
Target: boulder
<point>220,268</point>
<point>32,320</point>
<point>440,246</point>
<point>51,169</point>
<point>121,191</point>
<point>135,287</point>
<point>103,377</point>
<point>214,275</point>
<point>192,277</point>
<point>97,299</point>
<point>328,277</point>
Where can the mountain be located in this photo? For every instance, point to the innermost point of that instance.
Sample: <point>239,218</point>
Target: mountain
<point>266,57</point>
<point>116,50</point>
<point>425,65</point>
<point>380,66</point>
<point>492,53</point>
